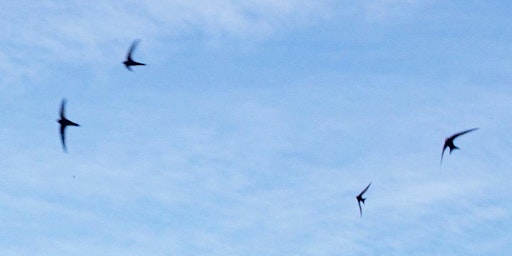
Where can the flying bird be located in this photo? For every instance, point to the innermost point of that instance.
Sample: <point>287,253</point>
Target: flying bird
<point>64,122</point>
<point>448,142</point>
<point>129,61</point>
<point>360,199</point>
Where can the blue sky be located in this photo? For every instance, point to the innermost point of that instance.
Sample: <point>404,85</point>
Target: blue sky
<point>254,126</point>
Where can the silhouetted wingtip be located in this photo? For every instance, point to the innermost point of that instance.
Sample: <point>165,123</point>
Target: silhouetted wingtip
<point>365,189</point>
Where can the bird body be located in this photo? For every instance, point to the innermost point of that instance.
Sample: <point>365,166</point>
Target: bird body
<point>129,61</point>
<point>448,142</point>
<point>361,199</point>
<point>64,122</point>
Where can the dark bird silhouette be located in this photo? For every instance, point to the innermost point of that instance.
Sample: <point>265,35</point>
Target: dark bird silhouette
<point>129,61</point>
<point>448,142</point>
<point>360,199</point>
<point>64,122</point>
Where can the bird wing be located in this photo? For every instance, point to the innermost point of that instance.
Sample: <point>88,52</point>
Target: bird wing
<point>461,133</point>
<point>360,210</point>
<point>132,48</point>
<point>442,153</point>
<point>364,191</point>
<point>62,106</point>
<point>63,137</point>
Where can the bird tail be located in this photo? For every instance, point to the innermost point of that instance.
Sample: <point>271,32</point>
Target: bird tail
<point>454,147</point>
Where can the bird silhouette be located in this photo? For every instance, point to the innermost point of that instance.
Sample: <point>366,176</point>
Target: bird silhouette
<point>129,61</point>
<point>360,199</point>
<point>64,122</point>
<point>448,142</point>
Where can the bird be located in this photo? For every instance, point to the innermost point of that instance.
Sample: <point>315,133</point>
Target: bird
<point>448,142</point>
<point>360,199</point>
<point>64,122</point>
<point>129,61</point>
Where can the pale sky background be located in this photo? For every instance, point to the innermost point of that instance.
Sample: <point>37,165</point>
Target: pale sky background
<point>254,126</point>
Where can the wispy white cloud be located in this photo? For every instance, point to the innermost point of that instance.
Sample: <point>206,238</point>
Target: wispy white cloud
<point>85,34</point>
<point>240,186</point>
